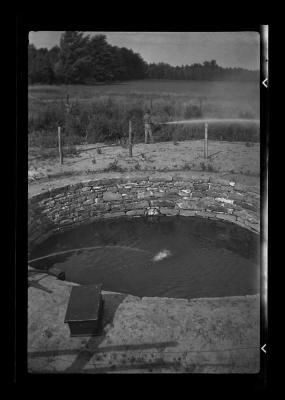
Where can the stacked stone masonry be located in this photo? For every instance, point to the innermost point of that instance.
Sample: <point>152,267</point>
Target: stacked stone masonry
<point>67,206</point>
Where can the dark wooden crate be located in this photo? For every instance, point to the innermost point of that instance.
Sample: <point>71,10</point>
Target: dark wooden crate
<point>84,310</point>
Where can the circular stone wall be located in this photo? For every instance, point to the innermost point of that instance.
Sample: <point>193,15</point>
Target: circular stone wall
<point>64,207</point>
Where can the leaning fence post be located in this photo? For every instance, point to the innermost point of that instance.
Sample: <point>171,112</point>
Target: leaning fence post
<point>59,145</point>
<point>206,141</point>
<point>130,139</point>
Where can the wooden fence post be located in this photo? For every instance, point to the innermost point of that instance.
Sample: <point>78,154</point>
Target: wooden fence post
<point>59,145</point>
<point>206,141</point>
<point>130,139</point>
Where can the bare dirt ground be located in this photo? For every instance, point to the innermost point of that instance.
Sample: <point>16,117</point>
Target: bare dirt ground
<point>242,160</point>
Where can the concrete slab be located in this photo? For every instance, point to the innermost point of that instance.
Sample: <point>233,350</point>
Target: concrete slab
<point>214,335</point>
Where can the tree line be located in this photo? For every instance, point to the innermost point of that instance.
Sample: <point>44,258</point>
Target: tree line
<point>209,71</point>
<point>81,59</point>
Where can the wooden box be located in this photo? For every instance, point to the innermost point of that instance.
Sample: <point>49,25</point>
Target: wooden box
<point>84,310</point>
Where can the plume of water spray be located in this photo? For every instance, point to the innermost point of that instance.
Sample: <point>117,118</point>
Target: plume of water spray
<point>213,120</point>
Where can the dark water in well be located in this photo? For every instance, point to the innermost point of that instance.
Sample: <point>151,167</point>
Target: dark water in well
<point>202,258</point>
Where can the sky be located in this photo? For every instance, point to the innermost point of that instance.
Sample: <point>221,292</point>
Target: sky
<point>229,49</point>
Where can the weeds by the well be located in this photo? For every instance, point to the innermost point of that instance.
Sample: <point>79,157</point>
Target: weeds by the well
<point>187,167</point>
<point>114,167</point>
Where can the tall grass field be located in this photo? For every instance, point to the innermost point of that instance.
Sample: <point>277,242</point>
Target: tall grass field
<point>100,113</point>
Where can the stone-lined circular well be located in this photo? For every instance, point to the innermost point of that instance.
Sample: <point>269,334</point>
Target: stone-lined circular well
<point>64,207</point>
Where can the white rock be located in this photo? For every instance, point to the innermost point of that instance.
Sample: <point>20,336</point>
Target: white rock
<point>224,200</point>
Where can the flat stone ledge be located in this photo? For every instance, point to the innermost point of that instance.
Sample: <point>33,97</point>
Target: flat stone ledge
<point>139,332</point>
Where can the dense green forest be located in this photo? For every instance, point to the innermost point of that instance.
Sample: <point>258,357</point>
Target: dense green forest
<point>81,59</point>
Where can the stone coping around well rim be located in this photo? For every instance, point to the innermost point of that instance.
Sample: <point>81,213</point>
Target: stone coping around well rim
<point>39,187</point>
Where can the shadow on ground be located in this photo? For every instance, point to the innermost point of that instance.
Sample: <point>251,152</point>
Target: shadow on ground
<point>91,347</point>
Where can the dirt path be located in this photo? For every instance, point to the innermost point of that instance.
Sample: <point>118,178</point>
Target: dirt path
<point>230,158</point>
